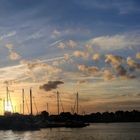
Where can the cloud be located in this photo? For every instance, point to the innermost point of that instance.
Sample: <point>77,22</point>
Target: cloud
<point>114,59</point>
<point>81,82</point>
<point>82,67</point>
<point>107,75</point>
<point>89,48</point>
<point>55,63</point>
<point>117,69</point>
<point>71,44</point>
<point>93,69</point>
<point>78,53</point>
<point>130,76</point>
<point>29,70</point>
<point>89,69</point>
<point>12,72</point>
<point>82,54</point>
<point>37,65</point>
<point>14,55</point>
<point>56,33</point>
<point>34,36</point>
<point>33,64</point>
<point>10,34</point>
<point>56,42</point>
<point>132,64</point>
<point>115,42</point>
<point>121,71</point>
<point>138,55</point>
<point>40,71</point>
<point>68,44</point>
<point>52,59</point>
<point>9,46</point>
<point>122,7</point>
<point>61,45</point>
<point>51,85</point>
<point>31,75</point>
<point>96,57</point>
<point>67,58</point>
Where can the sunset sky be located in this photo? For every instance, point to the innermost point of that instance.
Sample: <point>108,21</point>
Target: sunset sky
<point>86,46</point>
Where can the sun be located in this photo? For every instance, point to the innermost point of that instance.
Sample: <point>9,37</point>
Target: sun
<point>8,106</point>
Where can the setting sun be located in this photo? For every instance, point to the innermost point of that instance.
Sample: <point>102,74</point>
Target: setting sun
<point>8,106</point>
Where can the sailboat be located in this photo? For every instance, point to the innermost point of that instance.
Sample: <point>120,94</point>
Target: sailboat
<point>69,123</point>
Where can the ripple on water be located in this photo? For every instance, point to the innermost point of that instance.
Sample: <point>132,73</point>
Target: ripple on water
<point>102,131</point>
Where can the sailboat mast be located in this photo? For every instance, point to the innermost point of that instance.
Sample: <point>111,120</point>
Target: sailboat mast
<point>58,102</point>
<point>31,108</point>
<point>23,100</point>
<point>7,90</point>
<point>47,107</point>
<point>3,106</point>
<point>35,105</point>
<point>11,104</point>
<point>77,97</point>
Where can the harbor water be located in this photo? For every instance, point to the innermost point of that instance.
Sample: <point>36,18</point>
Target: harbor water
<point>96,131</point>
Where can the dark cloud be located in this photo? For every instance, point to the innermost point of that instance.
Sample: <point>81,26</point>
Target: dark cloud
<point>121,71</point>
<point>51,85</point>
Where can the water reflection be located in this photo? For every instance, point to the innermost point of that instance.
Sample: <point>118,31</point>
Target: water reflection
<point>111,131</point>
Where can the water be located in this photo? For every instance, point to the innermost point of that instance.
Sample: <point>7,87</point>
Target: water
<point>101,131</point>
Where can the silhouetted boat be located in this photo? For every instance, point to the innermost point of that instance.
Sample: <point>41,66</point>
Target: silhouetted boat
<point>76,124</point>
<point>69,124</point>
<point>25,126</point>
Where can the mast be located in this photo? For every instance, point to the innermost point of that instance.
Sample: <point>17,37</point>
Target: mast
<point>8,100</point>
<point>35,105</point>
<point>7,96</point>
<point>20,107</point>
<point>58,102</point>
<point>3,106</point>
<point>47,107</point>
<point>11,104</point>
<point>23,100</point>
<point>61,103</point>
<point>77,98</point>
<point>31,108</point>
<point>27,104</point>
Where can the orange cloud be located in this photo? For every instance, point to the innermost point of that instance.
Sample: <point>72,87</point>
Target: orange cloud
<point>82,54</point>
<point>138,55</point>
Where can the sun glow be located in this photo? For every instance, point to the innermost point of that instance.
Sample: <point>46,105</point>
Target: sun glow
<point>8,106</point>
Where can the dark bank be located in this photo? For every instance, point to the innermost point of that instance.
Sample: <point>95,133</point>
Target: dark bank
<point>19,122</point>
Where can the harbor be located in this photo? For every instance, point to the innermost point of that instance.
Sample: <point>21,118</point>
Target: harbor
<point>24,122</point>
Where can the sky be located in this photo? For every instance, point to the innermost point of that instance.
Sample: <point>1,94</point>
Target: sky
<point>87,46</point>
